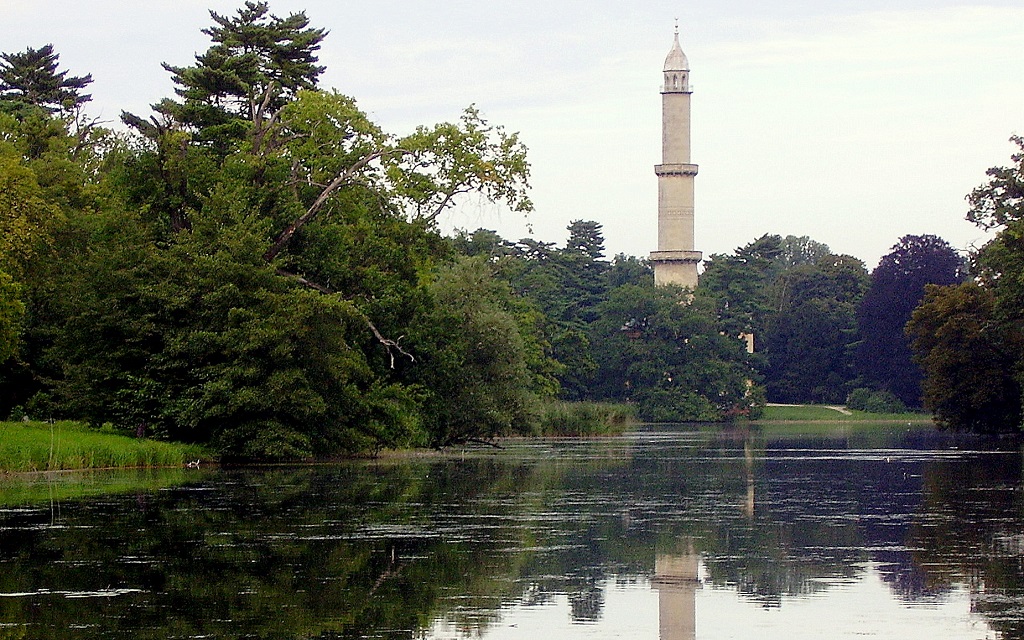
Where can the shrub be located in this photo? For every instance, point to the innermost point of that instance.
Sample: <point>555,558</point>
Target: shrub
<point>676,405</point>
<point>872,401</point>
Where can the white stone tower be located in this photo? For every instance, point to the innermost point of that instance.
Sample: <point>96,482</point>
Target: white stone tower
<point>675,261</point>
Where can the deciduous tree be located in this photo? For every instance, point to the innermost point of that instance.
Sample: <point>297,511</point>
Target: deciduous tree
<point>740,284</point>
<point>968,359</point>
<point>670,357</point>
<point>808,337</point>
<point>473,366</point>
<point>883,356</point>
<point>999,264</point>
<point>12,312</point>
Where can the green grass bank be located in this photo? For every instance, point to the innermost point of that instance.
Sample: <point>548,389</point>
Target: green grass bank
<point>64,445</point>
<point>822,413</point>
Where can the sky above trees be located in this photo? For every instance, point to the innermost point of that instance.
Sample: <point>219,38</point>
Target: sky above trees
<point>851,123</point>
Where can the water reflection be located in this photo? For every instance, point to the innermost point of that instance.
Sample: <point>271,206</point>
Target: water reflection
<point>676,579</point>
<point>665,535</point>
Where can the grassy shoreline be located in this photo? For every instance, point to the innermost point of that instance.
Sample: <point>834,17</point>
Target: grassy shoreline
<point>834,413</point>
<point>67,445</point>
<point>27,447</point>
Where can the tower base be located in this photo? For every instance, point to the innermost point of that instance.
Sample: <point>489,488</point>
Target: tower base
<point>675,267</point>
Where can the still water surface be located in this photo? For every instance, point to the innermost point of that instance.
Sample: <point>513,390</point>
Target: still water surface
<point>664,535</point>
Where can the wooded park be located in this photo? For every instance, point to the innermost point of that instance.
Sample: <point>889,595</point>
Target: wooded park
<point>257,266</point>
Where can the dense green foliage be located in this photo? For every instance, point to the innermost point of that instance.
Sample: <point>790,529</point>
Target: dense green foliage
<point>872,401</point>
<point>807,342</point>
<point>619,338</point>
<point>883,356</point>
<point>258,266</point>
<point>798,300</point>
<point>474,358</point>
<point>969,339</point>
<point>969,359</point>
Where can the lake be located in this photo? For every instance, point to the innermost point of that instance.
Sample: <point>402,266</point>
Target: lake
<point>666,534</point>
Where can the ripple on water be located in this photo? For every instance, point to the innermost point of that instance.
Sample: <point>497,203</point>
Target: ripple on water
<point>99,593</point>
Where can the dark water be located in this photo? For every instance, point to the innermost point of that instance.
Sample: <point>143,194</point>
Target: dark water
<point>664,535</point>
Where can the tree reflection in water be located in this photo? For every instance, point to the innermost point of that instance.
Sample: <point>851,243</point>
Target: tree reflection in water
<point>383,549</point>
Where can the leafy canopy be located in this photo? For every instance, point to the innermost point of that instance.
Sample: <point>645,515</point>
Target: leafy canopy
<point>883,356</point>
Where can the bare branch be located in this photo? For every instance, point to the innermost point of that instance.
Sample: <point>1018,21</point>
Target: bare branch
<point>283,238</point>
<point>260,128</point>
<point>390,345</point>
<point>304,281</point>
<point>444,204</point>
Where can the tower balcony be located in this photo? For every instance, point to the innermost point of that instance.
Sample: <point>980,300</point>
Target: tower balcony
<point>676,256</point>
<point>675,169</point>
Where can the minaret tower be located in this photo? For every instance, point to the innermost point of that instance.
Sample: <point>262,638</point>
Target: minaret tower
<point>675,261</point>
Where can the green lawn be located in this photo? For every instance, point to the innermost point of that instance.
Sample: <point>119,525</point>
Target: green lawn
<point>820,413</point>
<point>41,446</point>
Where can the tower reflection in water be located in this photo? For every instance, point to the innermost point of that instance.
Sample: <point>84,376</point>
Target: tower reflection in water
<point>676,575</point>
<point>676,579</point>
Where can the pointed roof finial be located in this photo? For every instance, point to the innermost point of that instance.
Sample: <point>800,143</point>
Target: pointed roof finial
<point>676,60</point>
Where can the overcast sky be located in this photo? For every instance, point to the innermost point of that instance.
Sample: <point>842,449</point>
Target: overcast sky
<point>854,123</point>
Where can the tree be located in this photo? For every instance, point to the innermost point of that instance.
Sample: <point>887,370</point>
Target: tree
<point>31,78</point>
<point>566,285</point>
<point>807,355</point>
<point>434,166</point>
<point>969,339</point>
<point>30,215</point>
<point>482,242</point>
<point>628,270</point>
<point>740,284</point>
<point>798,300</point>
<point>808,337</point>
<point>254,265</point>
<point>671,358</point>
<point>202,340</point>
<point>999,205</point>
<point>12,312</point>
<point>1000,202</point>
<point>473,366</point>
<point>883,357</point>
<point>586,239</point>
<point>45,174</point>
<point>802,250</point>
<point>968,359</point>
<point>257,64</point>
